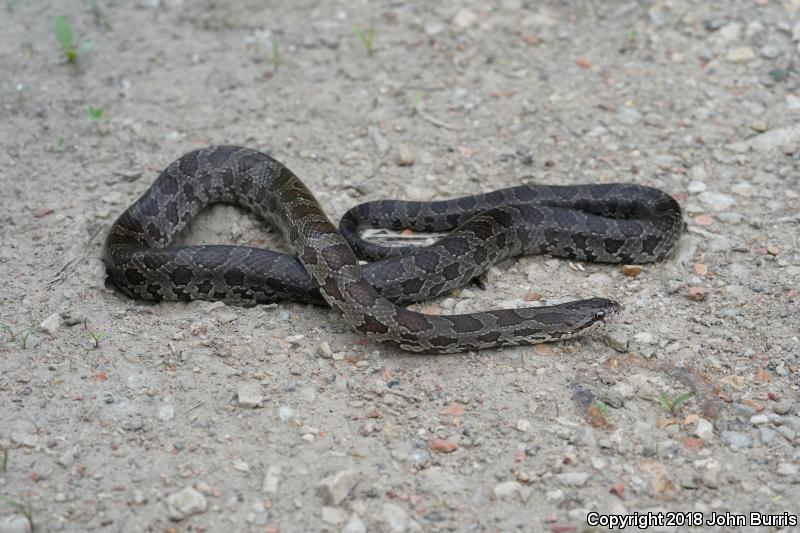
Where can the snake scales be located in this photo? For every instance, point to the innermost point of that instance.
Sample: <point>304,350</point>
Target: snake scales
<point>616,223</point>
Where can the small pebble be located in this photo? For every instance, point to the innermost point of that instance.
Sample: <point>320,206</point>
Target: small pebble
<point>632,270</point>
<point>285,413</point>
<point>717,201</point>
<point>395,517</point>
<point>335,488</point>
<point>572,479</point>
<point>787,469</point>
<point>696,187</point>
<point>704,430</point>
<point>166,412</point>
<point>333,515</point>
<point>184,503</point>
<point>442,445</point>
<point>781,408</point>
<point>769,51</point>
<point>249,394</point>
<point>405,156</point>
<point>736,439</point>
<point>354,525</point>
<point>523,425</point>
<point>740,54</point>
<point>324,350</point>
<point>628,116</point>
<point>464,18</point>
<point>365,187</point>
<point>617,339</point>
<point>506,489</point>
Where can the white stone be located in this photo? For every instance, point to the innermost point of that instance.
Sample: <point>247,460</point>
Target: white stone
<point>573,479</point>
<point>696,187</point>
<point>240,465</point>
<point>52,324</point>
<point>730,32</point>
<point>397,518</point>
<point>628,116</point>
<point>333,515</point>
<point>271,480</point>
<point>184,503</point>
<point>523,425</point>
<point>787,469</point>
<point>285,413</point>
<point>464,18</point>
<point>249,394</point>
<point>742,188</point>
<point>354,525</point>
<point>166,412</point>
<point>740,54</point>
<point>334,489</point>
<point>792,102</point>
<point>717,201</point>
<point>759,419</point>
<point>645,337</point>
<point>704,430</point>
<point>324,350</point>
<point>506,490</point>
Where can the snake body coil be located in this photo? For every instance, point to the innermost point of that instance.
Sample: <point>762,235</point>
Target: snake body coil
<point>606,223</point>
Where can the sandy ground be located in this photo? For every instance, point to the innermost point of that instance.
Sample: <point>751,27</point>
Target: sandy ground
<point>118,415</point>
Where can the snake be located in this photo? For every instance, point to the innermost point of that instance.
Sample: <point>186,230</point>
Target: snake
<point>611,223</point>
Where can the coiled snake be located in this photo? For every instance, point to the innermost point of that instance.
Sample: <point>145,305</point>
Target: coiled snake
<point>617,223</point>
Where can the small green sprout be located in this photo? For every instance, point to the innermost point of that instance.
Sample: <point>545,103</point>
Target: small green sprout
<point>8,332</point>
<point>96,337</point>
<point>4,461</point>
<point>23,339</point>
<point>673,405</point>
<point>66,37</point>
<point>416,100</point>
<point>95,113</point>
<point>366,37</point>
<point>602,406</point>
<point>277,58</point>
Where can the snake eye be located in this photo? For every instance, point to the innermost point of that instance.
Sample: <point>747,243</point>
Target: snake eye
<point>599,315</point>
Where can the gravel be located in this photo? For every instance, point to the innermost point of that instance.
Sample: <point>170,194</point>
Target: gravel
<point>250,408</point>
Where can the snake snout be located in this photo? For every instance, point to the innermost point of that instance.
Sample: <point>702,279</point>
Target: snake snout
<point>608,313</point>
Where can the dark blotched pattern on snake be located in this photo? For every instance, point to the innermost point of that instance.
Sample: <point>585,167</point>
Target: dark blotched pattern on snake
<point>617,223</point>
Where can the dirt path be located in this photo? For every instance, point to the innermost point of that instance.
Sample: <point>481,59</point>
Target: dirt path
<point>125,416</point>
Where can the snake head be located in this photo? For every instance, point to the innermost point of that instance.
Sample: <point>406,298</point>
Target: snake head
<point>605,312</point>
<point>593,312</point>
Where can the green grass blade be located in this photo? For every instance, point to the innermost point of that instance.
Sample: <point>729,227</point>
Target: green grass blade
<point>64,33</point>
